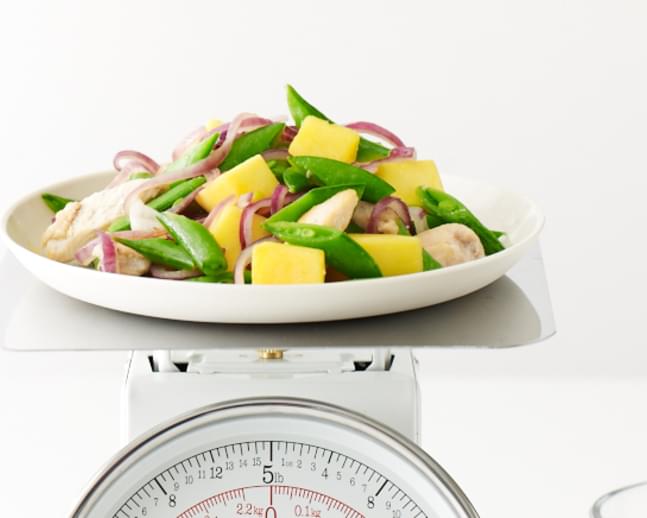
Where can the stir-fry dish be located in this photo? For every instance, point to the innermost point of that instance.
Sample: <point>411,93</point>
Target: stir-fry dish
<point>262,201</point>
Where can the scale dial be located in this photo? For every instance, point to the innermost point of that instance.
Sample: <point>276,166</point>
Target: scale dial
<point>273,458</point>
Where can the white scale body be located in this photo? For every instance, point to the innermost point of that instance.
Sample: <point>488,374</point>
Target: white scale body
<point>378,383</point>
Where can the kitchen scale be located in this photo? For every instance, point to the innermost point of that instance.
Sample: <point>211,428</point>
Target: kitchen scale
<point>314,420</point>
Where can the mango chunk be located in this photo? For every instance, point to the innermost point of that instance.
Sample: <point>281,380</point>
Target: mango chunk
<point>225,229</point>
<point>279,263</point>
<point>318,137</point>
<point>212,124</point>
<point>253,175</point>
<point>394,254</point>
<point>407,175</point>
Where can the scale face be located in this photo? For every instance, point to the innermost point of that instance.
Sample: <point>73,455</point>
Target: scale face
<point>273,458</point>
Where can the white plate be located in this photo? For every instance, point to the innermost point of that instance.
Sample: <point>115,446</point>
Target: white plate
<point>24,223</point>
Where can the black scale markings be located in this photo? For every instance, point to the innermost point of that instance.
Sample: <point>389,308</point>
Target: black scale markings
<point>382,483</point>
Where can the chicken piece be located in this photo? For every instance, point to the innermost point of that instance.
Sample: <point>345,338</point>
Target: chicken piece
<point>387,222</point>
<point>78,222</point>
<point>335,212</point>
<point>451,244</point>
<point>129,262</point>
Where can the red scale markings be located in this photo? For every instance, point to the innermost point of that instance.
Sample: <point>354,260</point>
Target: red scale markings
<point>290,491</point>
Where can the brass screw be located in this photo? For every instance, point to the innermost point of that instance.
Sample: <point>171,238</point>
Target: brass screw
<point>270,354</point>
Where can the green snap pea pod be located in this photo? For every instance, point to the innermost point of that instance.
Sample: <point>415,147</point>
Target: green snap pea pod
<point>121,223</point>
<point>402,228</point>
<point>55,202</point>
<point>428,262</point>
<point>194,154</point>
<point>161,251</point>
<point>197,241</point>
<point>250,144</point>
<point>333,172</point>
<point>222,277</point>
<point>498,233</point>
<point>354,228</point>
<point>278,167</point>
<point>298,208</point>
<point>342,253</point>
<point>142,175</point>
<point>166,200</point>
<point>295,180</point>
<point>300,109</point>
<point>447,208</point>
<point>163,201</point>
<point>433,221</point>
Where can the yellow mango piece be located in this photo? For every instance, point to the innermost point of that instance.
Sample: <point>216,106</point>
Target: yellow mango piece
<point>318,137</point>
<point>394,254</point>
<point>278,263</point>
<point>253,175</point>
<point>407,175</point>
<point>225,229</point>
<point>212,124</point>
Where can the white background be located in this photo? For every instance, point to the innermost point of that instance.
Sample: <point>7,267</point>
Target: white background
<point>544,97</point>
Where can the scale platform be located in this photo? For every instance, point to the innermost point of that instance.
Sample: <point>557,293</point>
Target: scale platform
<point>513,311</point>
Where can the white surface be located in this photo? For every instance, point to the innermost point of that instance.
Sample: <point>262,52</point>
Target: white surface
<point>23,224</point>
<point>547,98</point>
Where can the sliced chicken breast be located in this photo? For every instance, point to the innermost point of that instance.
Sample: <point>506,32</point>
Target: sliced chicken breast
<point>335,212</point>
<point>451,244</point>
<point>78,222</point>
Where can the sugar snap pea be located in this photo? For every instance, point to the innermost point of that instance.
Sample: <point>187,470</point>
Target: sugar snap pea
<point>445,207</point>
<point>300,109</point>
<point>222,277</point>
<point>142,175</point>
<point>342,253</point>
<point>333,172</point>
<point>278,167</point>
<point>194,154</point>
<point>161,251</point>
<point>428,262</point>
<point>55,202</point>
<point>298,208</point>
<point>295,179</point>
<point>197,241</point>
<point>250,144</point>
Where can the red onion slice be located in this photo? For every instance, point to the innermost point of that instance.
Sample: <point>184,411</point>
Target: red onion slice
<point>245,199</point>
<point>289,132</point>
<point>209,163</point>
<point>275,154</point>
<point>215,212</point>
<point>396,205</point>
<point>369,128</point>
<point>246,220</point>
<point>192,138</point>
<point>212,175</point>
<point>162,273</point>
<point>419,219</point>
<point>109,254</point>
<point>398,153</point>
<point>142,160</point>
<point>142,217</point>
<point>245,258</point>
<point>278,198</point>
<point>85,255</point>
